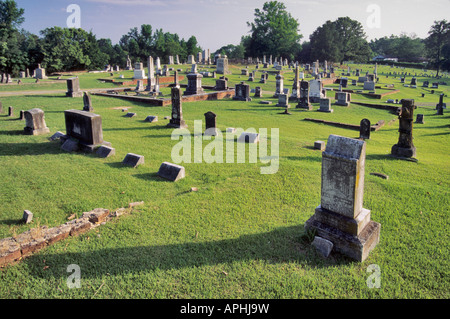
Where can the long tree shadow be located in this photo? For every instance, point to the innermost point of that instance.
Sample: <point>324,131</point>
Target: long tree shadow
<point>283,245</point>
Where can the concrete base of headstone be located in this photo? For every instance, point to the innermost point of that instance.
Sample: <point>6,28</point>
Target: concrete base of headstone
<point>73,145</point>
<point>29,131</point>
<point>105,151</point>
<point>355,247</point>
<point>171,172</point>
<point>74,94</point>
<point>402,152</point>
<point>211,131</point>
<point>133,160</point>
<point>181,124</point>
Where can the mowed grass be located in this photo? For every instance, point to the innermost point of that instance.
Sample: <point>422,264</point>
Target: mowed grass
<point>241,234</point>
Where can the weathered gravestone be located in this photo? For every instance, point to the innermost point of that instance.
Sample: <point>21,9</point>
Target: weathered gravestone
<point>171,172</point>
<point>315,91</point>
<point>221,84</point>
<point>133,160</point>
<point>194,84</point>
<point>364,129</point>
<point>303,101</point>
<point>341,218</point>
<point>35,122</point>
<point>39,73</point>
<point>319,145</point>
<point>419,119</point>
<point>87,103</point>
<point>222,66</point>
<point>279,85</point>
<point>242,92</point>
<point>405,147</point>
<point>84,129</point>
<point>105,151</point>
<point>342,98</point>
<point>177,112</point>
<point>258,91</point>
<point>369,85</point>
<point>441,105</point>
<point>10,111</point>
<point>73,88</point>
<point>139,71</point>
<point>325,106</point>
<point>210,120</point>
<point>151,119</point>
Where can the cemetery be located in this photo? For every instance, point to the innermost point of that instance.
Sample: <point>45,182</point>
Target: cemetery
<point>88,177</point>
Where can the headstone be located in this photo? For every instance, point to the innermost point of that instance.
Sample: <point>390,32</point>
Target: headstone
<point>139,71</point>
<point>258,91</point>
<point>210,120</point>
<point>283,100</point>
<point>87,103</point>
<point>133,160</point>
<point>151,74</point>
<point>39,73</point>
<point>342,98</point>
<point>413,81</point>
<point>369,85</point>
<point>151,119</point>
<point>22,115</point>
<point>303,101</point>
<point>364,129</point>
<point>323,245</point>
<point>419,119</point>
<point>191,59</point>
<point>171,172</point>
<point>222,66</point>
<point>73,88</point>
<point>35,122</point>
<point>129,65</point>
<point>344,82</point>
<point>27,216</point>
<point>325,106</point>
<point>248,137</point>
<point>319,145</point>
<point>105,151</point>
<point>405,147</point>
<point>441,105</point>
<point>242,92</point>
<point>86,128</point>
<point>194,84</point>
<point>279,84</point>
<point>341,218</point>
<point>177,112</point>
<point>221,84</point>
<point>315,91</point>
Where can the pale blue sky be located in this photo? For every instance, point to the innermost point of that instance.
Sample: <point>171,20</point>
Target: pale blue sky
<point>220,22</point>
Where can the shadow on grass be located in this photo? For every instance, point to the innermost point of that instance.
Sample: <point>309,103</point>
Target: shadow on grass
<point>18,149</point>
<point>13,132</point>
<point>283,245</point>
<point>150,177</point>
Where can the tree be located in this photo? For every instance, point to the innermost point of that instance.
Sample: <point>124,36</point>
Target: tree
<point>68,49</point>
<point>404,47</point>
<point>437,44</point>
<point>13,58</point>
<point>274,32</point>
<point>340,40</point>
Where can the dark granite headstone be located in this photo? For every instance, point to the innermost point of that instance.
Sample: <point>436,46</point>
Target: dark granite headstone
<point>210,120</point>
<point>133,160</point>
<point>177,111</point>
<point>87,103</point>
<point>303,101</point>
<point>85,127</point>
<point>364,129</point>
<point>105,151</point>
<point>242,92</point>
<point>171,172</point>
<point>10,111</point>
<point>405,147</point>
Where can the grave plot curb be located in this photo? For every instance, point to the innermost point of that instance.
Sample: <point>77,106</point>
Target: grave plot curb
<point>15,249</point>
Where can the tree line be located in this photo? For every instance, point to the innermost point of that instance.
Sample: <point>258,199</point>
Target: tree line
<point>273,32</point>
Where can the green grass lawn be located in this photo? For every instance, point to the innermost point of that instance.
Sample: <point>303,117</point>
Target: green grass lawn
<point>241,234</point>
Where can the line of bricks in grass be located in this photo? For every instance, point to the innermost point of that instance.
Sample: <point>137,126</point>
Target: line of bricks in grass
<point>13,249</point>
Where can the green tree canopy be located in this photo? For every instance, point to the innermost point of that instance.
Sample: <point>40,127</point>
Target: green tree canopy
<point>274,32</point>
<point>437,44</point>
<point>404,47</point>
<point>341,40</point>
